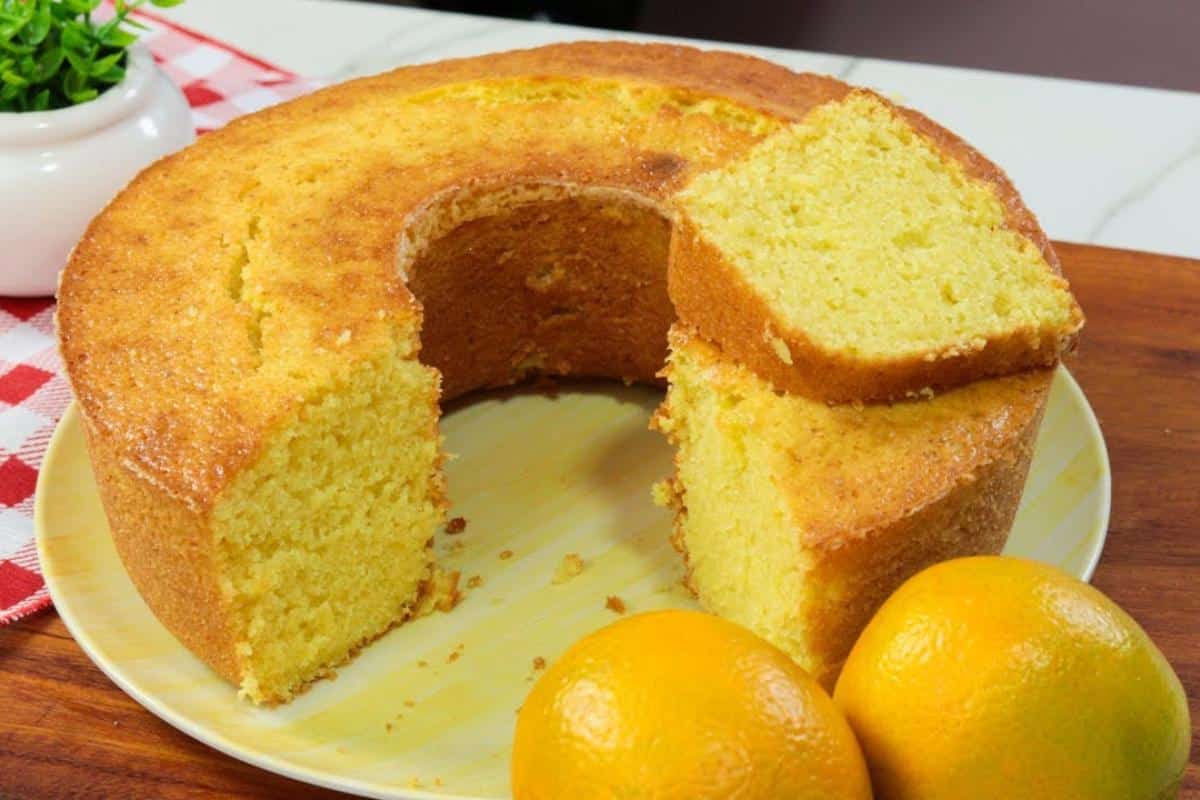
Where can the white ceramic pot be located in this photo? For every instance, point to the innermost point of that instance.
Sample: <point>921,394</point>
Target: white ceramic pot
<point>59,168</point>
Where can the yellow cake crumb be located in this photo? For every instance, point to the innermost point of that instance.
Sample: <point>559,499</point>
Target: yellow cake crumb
<point>442,593</point>
<point>570,566</point>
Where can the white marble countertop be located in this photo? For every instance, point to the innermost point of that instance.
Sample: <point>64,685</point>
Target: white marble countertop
<point>1100,163</point>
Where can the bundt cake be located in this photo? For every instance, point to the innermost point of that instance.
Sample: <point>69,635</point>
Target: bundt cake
<point>259,330</point>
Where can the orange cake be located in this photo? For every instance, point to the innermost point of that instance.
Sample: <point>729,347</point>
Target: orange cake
<point>260,329</point>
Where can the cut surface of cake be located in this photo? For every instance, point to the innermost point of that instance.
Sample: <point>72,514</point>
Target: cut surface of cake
<point>801,534</point>
<point>847,258</point>
<point>259,329</point>
<point>323,543</point>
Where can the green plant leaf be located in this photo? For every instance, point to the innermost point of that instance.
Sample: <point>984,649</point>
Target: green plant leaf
<point>102,31</point>
<point>75,36</point>
<point>62,12</point>
<point>103,65</point>
<point>16,19</point>
<point>39,26</point>
<point>76,88</point>
<point>48,64</point>
<point>119,38</point>
<point>53,54</point>
<point>13,79</point>
<point>81,6</point>
<point>113,75</point>
<point>133,23</point>
<point>80,64</point>
<point>13,47</point>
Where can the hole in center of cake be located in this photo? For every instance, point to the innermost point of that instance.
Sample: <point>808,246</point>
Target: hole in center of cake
<point>539,279</point>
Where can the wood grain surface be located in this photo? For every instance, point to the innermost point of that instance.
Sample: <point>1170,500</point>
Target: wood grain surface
<point>67,731</point>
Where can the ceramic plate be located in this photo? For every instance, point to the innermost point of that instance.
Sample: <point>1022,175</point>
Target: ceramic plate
<point>536,476</point>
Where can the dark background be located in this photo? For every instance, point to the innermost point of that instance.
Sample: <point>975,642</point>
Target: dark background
<point>1141,42</point>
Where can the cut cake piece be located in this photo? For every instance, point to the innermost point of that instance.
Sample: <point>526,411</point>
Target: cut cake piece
<point>790,513</point>
<point>865,254</point>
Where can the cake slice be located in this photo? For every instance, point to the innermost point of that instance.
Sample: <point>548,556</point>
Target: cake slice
<point>864,253</point>
<point>797,519</point>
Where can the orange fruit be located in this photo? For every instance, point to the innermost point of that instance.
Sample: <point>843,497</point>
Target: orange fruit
<point>679,704</point>
<point>1000,677</point>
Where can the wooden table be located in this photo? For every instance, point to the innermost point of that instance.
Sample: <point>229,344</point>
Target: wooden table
<point>66,731</point>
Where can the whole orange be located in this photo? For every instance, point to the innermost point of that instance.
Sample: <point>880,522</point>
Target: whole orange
<point>996,677</point>
<point>679,704</point>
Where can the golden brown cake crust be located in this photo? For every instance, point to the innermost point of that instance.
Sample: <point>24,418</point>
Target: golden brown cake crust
<point>166,549</point>
<point>968,509</point>
<point>973,518</point>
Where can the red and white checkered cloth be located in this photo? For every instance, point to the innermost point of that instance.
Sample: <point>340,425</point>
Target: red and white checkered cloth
<point>220,83</point>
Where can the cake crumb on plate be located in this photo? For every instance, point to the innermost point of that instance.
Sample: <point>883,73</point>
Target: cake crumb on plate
<point>456,525</point>
<point>615,604</point>
<point>570,566</point>
<point>441,593</point>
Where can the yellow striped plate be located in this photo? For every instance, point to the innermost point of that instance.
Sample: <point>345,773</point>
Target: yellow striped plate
<point>428,710</point>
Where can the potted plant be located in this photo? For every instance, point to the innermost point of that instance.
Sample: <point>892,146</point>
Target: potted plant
<point>83,108</point>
